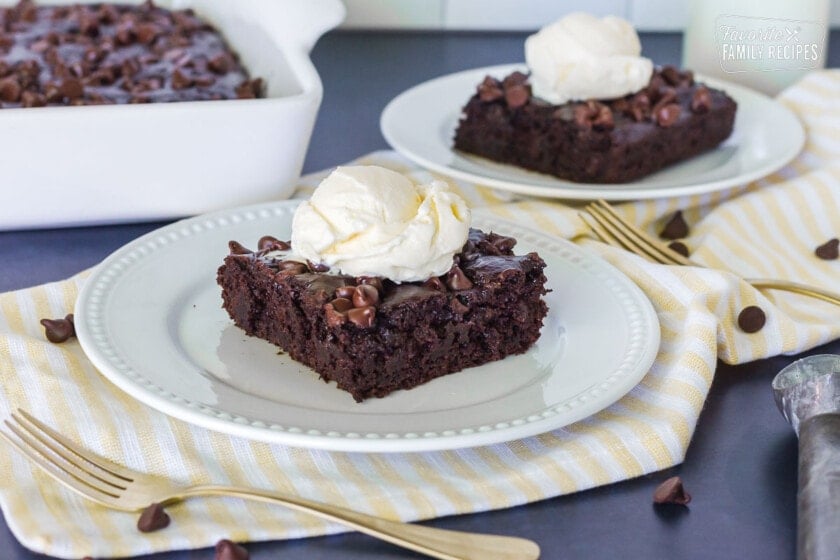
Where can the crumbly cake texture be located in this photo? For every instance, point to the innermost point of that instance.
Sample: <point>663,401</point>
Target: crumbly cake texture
<point>372,336</point>
<point>615,141</point>
<point>98,54</point>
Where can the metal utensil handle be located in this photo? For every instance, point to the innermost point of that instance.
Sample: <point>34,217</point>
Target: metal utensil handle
<point>818,501</point>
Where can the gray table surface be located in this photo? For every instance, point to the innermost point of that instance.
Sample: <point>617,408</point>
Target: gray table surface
<point>740,467</point>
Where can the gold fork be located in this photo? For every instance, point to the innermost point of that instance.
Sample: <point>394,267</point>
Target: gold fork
<point>119,487</point>
<point>613,229</point>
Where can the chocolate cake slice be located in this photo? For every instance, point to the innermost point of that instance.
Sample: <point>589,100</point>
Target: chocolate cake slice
<point>615,141</point>
<point>373,336</point>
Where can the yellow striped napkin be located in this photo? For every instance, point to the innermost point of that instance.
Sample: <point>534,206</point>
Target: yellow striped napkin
<point>767,229</point>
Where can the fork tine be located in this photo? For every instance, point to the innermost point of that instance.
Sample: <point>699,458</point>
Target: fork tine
<point>667,255</point>
<point>621,236</point>
<point>100,463</point>
<point>599,232</point>
<point>42,459</point>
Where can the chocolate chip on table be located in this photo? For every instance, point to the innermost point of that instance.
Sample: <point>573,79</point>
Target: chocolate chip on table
<point>751,319</point>
<point>59,330</point>
<point>679,247</point>
<point>671,491</point>
<point>828,251</point>
<point>153,518</point>
<point>675,228</point>
<point>229,550</point>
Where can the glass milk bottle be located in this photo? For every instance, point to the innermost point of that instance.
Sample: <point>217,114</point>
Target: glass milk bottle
<point>763,44</point>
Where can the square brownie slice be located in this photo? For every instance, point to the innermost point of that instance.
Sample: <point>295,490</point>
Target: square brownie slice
<point>613,141</point>
<point>373,336</point>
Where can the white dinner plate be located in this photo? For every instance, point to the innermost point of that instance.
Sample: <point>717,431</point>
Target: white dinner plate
<point>420,124</point>
<point>150,319</point>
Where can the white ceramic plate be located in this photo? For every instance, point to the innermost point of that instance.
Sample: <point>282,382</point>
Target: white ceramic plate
<point>150,319</point>
<point>420,124</point>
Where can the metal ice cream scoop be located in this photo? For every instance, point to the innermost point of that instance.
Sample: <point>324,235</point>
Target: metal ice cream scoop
<point>808,394</point>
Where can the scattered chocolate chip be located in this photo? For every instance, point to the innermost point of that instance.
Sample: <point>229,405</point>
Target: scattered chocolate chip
<point>829,250</point>
<point>345,292</point>
<point>59,330</point>
<point>457,280</point>
<point>365,295</point>
<point>517,95</point>
<point>701,100</point>
<point>362,316</point>
<point>237,248</point>
<point>751,319</point>
<point>671,492</point>
<point>667,115</point>
<point>228,550</point>
<point>269,243</point>
<point>342,304</point>
<point>675,228</point>
<point>153,518</point>
<point>679,247</point>
<point>434,283</point>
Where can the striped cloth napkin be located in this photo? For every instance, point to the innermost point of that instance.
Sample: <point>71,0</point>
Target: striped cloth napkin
<point>766,229</point>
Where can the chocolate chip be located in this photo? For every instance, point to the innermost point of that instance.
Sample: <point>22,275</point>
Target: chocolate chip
<point>228,550</point>
<point>639,107</point>
<point>751,319</point>
<point>334,317</point>
<point>270,243</point>
<point>490,90</point>
<point>457,280</point>
<point>220,64</point>
<point>59,330</point>
<point>180,80</point>
<point>667,115</point>
<point>362,316</point>
<point>603,119</point>
<point>10,89</point>
<point>318,267</point>
<point>286,268</point>
<point>671,492</point>
<point>516,78</point>
<point>345,292</point>
<point>147,32</point>
<point>72,88</point>
<point>374,281</point>
<point>829,250</point>
<point>153,518</point>
<point>593,114</point>
<point>342,304</point>
<point>458,306</point>
<point>516,96</point>
<point>679,247</point>
<point>671,75</point>
<point>666,96</point>
<point>701,100</point>
<point>365,295</point>
<point>237,248</point>
<point>675,228</point>
<point>434,283</point>
<point>249,89</point>
<point>32,99</point>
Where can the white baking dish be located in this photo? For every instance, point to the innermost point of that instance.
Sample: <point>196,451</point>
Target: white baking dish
<point>65,166</point>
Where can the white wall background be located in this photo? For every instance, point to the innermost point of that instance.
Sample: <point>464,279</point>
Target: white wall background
<point>646,15</point>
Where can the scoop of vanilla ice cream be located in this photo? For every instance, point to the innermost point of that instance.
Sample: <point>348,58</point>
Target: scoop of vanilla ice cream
<point>371,221</point>
<point>583,57</point>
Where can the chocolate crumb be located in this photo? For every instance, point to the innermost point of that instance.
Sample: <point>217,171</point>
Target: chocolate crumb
<point>828,251</point>
<point>59,330</point>
<point>671,492</point>
<point>153,518</point>
<point>676,227</point>
<point>679,247</point>
<point>229,550</point>
<point>751,319</point>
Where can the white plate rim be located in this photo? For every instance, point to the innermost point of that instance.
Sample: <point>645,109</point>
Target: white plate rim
<point>93,337</point>
<point>567,190</point>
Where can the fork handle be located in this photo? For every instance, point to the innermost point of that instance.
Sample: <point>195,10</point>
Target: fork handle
<point>437,543</point>
<point>796,288</point>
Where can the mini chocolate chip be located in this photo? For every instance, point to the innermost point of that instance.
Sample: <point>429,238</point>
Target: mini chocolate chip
<point>640,106</point>
<point>374,281</point>
<point>237,248</point>
<point>270,243</point>
<point>10,89</point>
<point>180,80</point>
<point>516,96</point>
<point>220,64</point>
<point>362,316</point>
<point>516,78</point>
<point>59,330</point>
<point>318,267</point>
<point>583,115</point>
<point>604,119</point>
<point>153,518</point>
<point>829,250</point>
<point>667,115</point>
<point>434,283</point>
<point>345,292</point>
<point>146,33</point>
<point>72,88</point>
<point>751,319</point>
<point>365,295</point>
<point>490,90</point>
<point>671,492</point>
<point>671,75</point>
<point>228,550</point>
<point>679,247</point>
<point>291,267</point>
<point>701,100</point>
<point>458,306</point>
<point>342,304</point>
<point>675,228</point>
<point>457,280</point>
